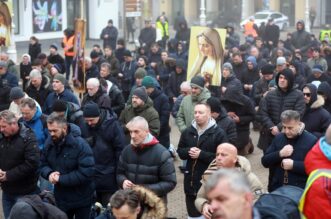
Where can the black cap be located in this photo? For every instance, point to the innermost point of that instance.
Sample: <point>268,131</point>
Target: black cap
<point>267,69</point>
<point>215,104</point>
<point>91,110</point>
<point>94,54</point>
<point>127,53</point>
<point>16,93</point>
<point>59,106</point>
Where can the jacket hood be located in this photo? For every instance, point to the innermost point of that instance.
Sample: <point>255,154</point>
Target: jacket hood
<point>301,22</point>
<point>318,103</point>
<point>313,93</point>
<point>325,89</point>
<point>211,123</point>
<point>233,95</point>
<point>204,95</point>
<point>149,141</point>
<point>73,111</point>
<point>152,205</point>
<point>74,130</point>
<point>288,74</point>
<point>148,104</point>
<point>252,59</point>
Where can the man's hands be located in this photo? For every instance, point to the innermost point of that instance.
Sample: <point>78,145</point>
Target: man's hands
<point>127,184</point>
<point>207,211</point>
<point>54,177</point>
<point>274,130</point>
<point>194,152</point>
<point>287,164</point>
<point>234,116</point>
<point>286,151</point>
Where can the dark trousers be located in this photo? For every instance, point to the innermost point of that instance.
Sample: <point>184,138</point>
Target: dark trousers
<point>190,207</point>
<point>68,61</point>
<point>103,198</point>
<point>79,213</point>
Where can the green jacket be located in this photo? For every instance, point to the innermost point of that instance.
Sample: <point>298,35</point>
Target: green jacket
<point>185,113</point>
<point>147,111</point>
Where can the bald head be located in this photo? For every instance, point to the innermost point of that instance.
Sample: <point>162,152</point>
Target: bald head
<point>226,156</point>
<point>328,135</point>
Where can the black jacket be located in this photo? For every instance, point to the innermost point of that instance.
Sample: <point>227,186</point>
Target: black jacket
<point>107,141</point>
<point>73,158</point>
<point>325,89</point>
<point>117,99</point>
<point>147,36</point>
<point>57,59</point>
<point>20,158</point>
<point>271,159</point>
<point>228,125</point>
<point>150,166</point>
<point>112,33</point>
<point>174,82</point>
<point>34,51</point>
<point>207,142</point>
<point>41,94</point>
<point>271,33</point>
<point>100,98</point>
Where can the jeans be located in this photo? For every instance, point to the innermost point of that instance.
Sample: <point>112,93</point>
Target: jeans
<point>9,200</point>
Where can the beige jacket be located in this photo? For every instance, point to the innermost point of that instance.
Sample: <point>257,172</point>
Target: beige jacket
<point>243,165</point>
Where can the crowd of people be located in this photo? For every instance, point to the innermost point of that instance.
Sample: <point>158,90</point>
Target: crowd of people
<point>113,145</point>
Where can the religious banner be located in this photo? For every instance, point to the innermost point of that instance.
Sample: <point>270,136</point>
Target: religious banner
<point>79,47</point>
<point>206,54</point>
<point>47,16</point>
<point>5,24</point>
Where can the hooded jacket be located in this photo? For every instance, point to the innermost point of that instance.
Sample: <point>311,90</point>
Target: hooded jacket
<point>117,99</point>
<point>174,82</point>
<point>228,125</point>
<point>41,94</point>
<point>242,165</point>
<point>317,200</point>
<point>302,143</point>
<point>147,111</point>
<point>149,164</point>
<point>251,75</point>
<point>66,95</point>
<point>73,158</point>
<point>185,114</point>
<point>107,141</point>
<point>316,118</point>
<point>301,39</point>
<point>325,89</point>
<point>207,141</point>
<point>162,106</point>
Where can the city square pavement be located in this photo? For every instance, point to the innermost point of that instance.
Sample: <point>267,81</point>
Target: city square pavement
<point>176,199</point>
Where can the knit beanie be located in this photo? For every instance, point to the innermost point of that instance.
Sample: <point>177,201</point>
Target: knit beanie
<point>198,81</point>
<point>228,66</point>
<point>141,93</point>
<point>60,77</point>
<point>215,104</point>
<point>267,69</point>
<point>317,68</point>
<point>59,106</point>
<point>58,67</point>
<point>180,63</point>
<point>91,110</point>
<point>16,93</point>
<point>140,73</point>
<point>148,82</point>
<point>53,46</point>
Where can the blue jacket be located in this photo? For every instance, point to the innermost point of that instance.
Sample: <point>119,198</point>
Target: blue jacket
<point>107,140</point>
<point>73,158</point>
<point>9,79</point>
<point>66,95</point>
<point>39,126</point>
<point>272,160</point>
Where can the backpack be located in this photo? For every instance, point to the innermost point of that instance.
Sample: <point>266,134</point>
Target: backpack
<point>280,204</point>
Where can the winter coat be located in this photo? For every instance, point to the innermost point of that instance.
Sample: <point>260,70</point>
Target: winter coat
<point>250,77</point>
<point>41,94</point>
<point>115,65</point>
<point>4,96</point>
<point>128,69</point>
<point>92,72</point>
<point>117,99</point>
<point>185,113</point>
<point>271,33</point>
<point>316,118</point>
<point>112,33</point>
<point>38,124</point>
<point>176,105</point>
<point>260,87</point>
<point>183,33</point>
<point>100,98</point>
<point>325,89</point>
<point>34,51</point>
<point>25,72</point>
<point>207,141</point>
<point>320,61</point>
<point>272,160</point>
<point>273,104</point>
<point>228,125</point>
<point>162,106</point>
<point>301,40</point>
<point>9,79</point>
<point>149,165</point>
<point>147,36</point>
<point>155,57</point>
<point>107,141</point>
<point>119,55</point>
<point>73,158</point>
<point>232,40</point>
<point>323,77</point>
<point>232,81</point>
<point>66,95</point>
<point>243,165</point>
<point>147,111</point>
<point>20,158</point>
<point>174,82</point>
<point>57,59</point>
<point>239,69</point>
<point>317,199</point>
<point>242,106</point>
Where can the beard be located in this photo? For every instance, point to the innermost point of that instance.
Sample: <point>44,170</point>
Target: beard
<point>57,139</point>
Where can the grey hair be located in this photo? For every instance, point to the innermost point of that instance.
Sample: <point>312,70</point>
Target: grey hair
<point>185,84</point>
<point>56,118</point>
<point>93,82</point>
<point>28,102</point>
<point>8,117</point>
<point>237,180</point>
<point>106,65</point>
<point>35,73</point>
<point>288,115</point>
<point>138,121</point>
<point>88,59</point>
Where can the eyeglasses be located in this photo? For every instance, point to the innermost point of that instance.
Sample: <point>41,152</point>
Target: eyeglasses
<point>307,94</point>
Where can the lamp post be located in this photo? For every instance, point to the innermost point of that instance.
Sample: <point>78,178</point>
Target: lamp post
<point>244,9</point>
<point>307,21</point>
<point>203,13</point>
